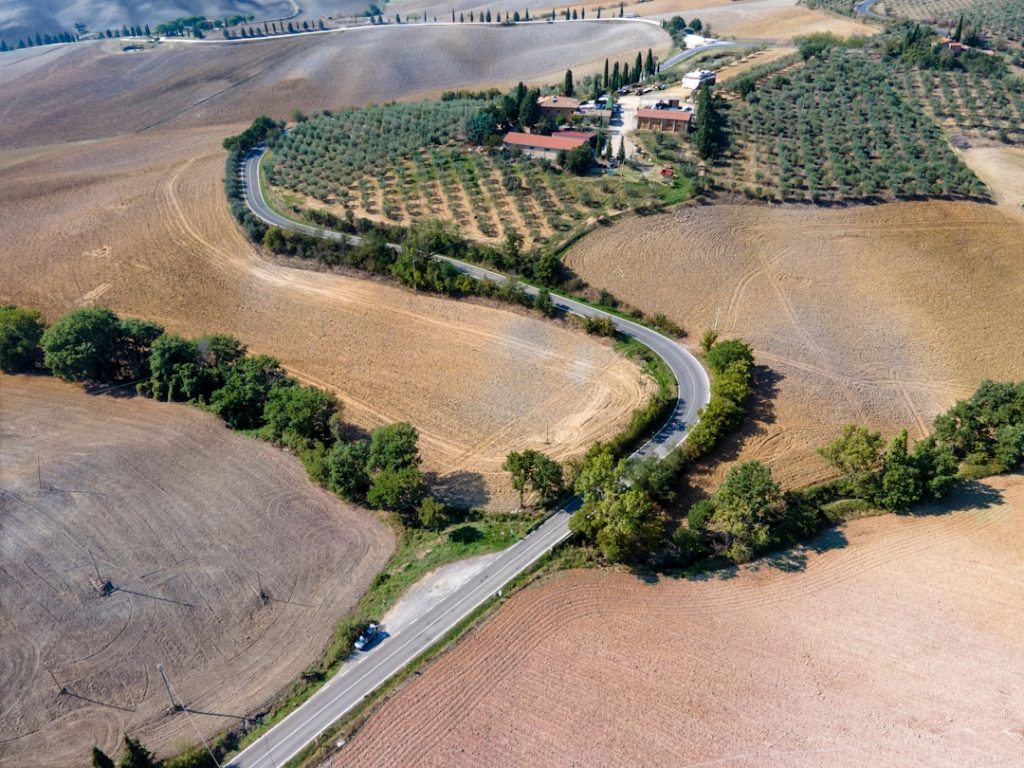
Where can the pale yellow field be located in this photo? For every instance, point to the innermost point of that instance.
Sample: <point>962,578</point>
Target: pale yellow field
<point>882,315</point>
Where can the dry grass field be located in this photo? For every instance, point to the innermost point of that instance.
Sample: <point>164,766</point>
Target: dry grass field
<point>893,642</point>
<point>777,21</point>
<point>72,92</point>
<point>21,17</point>
<point>1002,170</point>
<point>188,521</point>
<point>138,222</point>
<point>882,315</point>
<point>129,224</point>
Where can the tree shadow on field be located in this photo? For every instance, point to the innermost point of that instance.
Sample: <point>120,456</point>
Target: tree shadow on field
<point>460,489</point>
<point>971,495</point>
<point>465,534</point>
<point>795,558</point>
<point>125,391</point>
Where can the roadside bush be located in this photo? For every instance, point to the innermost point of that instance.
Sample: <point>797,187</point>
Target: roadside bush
<point>598,326</point>
<point>20,333</point>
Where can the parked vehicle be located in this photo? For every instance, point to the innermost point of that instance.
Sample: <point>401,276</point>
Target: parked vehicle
<point>365,640</point>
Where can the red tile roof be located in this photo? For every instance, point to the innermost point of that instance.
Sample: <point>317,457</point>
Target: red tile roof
<point>665,114</point>
<point>536,141</point>
<point>558,102</point>
<point>576,134</point>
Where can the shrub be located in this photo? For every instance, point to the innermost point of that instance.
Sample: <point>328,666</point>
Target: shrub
<point>242,400</point>
<point>84,345</point>
<point>20,332</point>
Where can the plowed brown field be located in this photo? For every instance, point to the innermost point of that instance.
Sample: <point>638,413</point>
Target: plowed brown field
<point>138,222</point>
<point>188,521</point>
<point>882,315</point>
<point>900,642</point>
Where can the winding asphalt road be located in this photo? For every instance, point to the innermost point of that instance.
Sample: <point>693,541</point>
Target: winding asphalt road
<point>371,669</point>
<point>863,8</point>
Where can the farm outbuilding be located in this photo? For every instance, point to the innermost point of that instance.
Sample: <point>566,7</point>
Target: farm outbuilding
<point>664,120</point>
<point>558,106</point>
<point>545,147</point>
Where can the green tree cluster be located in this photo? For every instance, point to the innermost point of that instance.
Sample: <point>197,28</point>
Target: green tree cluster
<point>94,344</point>
<point>383,471</point>
<point>732,366</point>
<point>20,333</point>
<point>534,471</point>
<point>621,520</point>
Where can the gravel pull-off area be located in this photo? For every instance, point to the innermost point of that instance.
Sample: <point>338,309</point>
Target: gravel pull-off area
<point>188,522</point>
<point>432,589</point>
<point>894,642</point>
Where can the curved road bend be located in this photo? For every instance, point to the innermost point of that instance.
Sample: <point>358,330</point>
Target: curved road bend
<point>368,671</point>
<point>863,8</point>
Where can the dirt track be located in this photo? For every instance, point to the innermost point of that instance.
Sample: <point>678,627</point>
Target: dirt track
<point>883,315</point>
<point>187,520</point>
<point>900,642</point>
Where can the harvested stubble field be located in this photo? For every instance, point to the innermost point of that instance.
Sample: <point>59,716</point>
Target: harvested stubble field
<point>84,91</point>
<point>777,21</point>
<point>126,223</point>
<point>26,17</point>
<point>883,315</point>
<point>188,521</point>
<point>139,222</point>
<point>895,641</point>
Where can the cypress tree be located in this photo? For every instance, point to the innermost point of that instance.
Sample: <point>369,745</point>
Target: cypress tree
<point>488,15</point>
<point>616,82</point>
<point>462,18</point>
<point>959,28</point>
<point>148,33</point>
<point>135,755</point>
<point>621,8</point>
<point>527,14</point>
<point>453,15</point>
<point>3,46</point>
<point>39,40</point>
<point>638,68</point>
<point>100,759</point>
<point>649,64</point>
<point>606,73</point>
<point>583,13</point>
<point>706,140</point>
<point>574,16</point>
<point>599,11</point>
<point>567,87</point>
<point>622,150</point>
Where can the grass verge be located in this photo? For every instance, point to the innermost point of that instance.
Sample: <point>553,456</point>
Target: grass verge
<point>419,552</point>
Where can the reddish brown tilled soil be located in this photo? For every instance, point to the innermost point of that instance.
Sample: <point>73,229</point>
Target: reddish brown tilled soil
<point>188,521</point>
<point>899,642</point>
